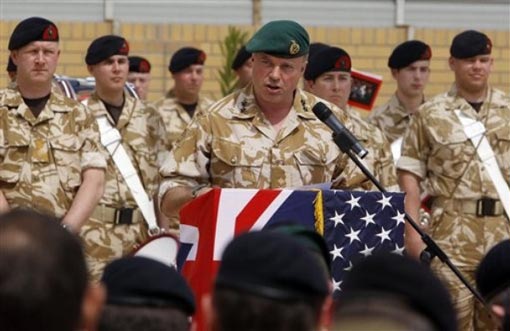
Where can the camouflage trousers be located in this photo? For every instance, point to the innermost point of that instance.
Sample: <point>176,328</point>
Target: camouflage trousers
<point>106,241</point>
<point>466,239</point>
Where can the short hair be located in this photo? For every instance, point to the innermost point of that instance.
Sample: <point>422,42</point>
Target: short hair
<point>134,318</point>
<point>236,310</point>
<point>43,274</point>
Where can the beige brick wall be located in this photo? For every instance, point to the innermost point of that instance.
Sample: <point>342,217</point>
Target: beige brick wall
<point>368,47</point>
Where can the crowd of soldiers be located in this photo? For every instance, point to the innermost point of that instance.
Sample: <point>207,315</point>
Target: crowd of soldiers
<point>117,169</point>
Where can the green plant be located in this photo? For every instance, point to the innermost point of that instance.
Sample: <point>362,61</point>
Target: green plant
<point>229,47</point>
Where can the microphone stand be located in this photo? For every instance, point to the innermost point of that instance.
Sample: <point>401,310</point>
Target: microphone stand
<point>432,249</point>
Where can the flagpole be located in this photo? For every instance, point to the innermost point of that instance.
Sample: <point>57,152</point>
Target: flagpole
<point>432,249</point>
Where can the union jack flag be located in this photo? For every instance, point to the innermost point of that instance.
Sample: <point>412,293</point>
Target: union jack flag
<point>354,224</point>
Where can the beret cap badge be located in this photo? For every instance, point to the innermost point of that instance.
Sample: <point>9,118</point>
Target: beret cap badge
<point>294,47</point>
<point>50,33</point>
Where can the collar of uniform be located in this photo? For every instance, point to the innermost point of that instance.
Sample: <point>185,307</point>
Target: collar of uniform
<point>397,108</point>
<point>59,103</point>
<point>130,104</point>
<point>303,103</point>
<point>12,99</point>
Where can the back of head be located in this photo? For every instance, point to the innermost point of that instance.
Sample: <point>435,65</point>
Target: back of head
<point>381,282</point>
<point>145,294</point>
<point>268,281</point>
<point>493,273</point>
<point>43,274</point>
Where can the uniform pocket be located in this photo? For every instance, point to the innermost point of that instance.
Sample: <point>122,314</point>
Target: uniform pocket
<point>316,164</point>
<point>14,149</point>
<point>450,153</point>
<point>66,155</point>
<point>234,165</point>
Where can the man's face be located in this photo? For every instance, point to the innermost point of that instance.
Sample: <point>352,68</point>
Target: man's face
<point>188,82</point>
<point>472,74</point>
<point>245,72</point>
<point>411,80</point>
<point>141,83</point>
<point>275,79</point>
<point>36,62</point>
<point>332,86</point>
<point>111,74</point>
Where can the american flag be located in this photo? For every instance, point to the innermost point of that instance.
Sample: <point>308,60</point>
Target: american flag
<point>354,224</point>
<point>359,224</point>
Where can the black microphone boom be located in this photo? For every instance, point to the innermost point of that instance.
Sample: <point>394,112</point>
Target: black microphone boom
<point>342,136</point>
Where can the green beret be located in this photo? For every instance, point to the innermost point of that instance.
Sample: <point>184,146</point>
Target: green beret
<point>470,43</point>
<point>271,265</point>
<point>104,47</point>
<point>327,59</point>
<point>285,39</point>
<point>32,29</point>
<point>241,57</point>
<point>186,57</point>
<point>139,64</point>
<point>409,52</point>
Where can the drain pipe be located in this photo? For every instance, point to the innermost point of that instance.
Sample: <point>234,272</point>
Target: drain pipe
<point>400,21</point>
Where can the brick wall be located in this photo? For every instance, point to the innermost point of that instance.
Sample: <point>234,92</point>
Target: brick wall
<point>368,47</point>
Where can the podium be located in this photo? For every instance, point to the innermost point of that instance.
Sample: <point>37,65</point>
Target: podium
<point>357,224</point>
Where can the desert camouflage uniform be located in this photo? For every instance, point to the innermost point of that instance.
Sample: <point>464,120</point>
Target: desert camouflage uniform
<point>42,159</point>
<point>379,159</point>
<point>142,131</point>
<point>234,145</point>
<point>392,118</point>
<point>176,118</point>
<point>436,147</point>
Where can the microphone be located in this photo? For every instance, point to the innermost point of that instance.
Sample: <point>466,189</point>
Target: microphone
<point>346,140</point>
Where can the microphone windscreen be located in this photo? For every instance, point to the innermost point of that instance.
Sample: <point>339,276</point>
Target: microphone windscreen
<point>321,111</point>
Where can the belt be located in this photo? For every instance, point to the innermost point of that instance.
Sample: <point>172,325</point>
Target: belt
<point>117,216</point>
<point>481,207</point>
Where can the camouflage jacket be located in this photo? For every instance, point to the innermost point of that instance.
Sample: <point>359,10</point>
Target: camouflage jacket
<point>42,159</point>
<point>142,130</point>
<point>435,146</point>
<point>379,159</point>
<point>392,118</point>
<point>176,118</point>
<point>234,145</point>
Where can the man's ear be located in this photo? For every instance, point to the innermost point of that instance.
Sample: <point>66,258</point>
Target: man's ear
<point>208,312</point>
<point>92,306</point>
<point>326,314</point>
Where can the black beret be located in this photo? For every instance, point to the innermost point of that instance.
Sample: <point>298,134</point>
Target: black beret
<point>401,277</point>
<point>272,265</point>
<point>470,43</point>
<point>241,57</point>
<point>313,241</point>
<point>315,47</point>
<point>139,64</point>
<point>327,59</point>
<point>33,29</point>
<point>11,66</point>
<point>409,52</point>
<point>186,57</point>
<point>104,47</point>
<point>140,281</point>
<point>493,273</point>
<point>286,39</point>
